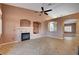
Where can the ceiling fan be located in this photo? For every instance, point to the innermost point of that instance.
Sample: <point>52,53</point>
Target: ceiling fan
<point>44,11</point>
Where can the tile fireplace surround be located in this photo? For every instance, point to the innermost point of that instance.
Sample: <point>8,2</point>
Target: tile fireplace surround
<point>20,30</point>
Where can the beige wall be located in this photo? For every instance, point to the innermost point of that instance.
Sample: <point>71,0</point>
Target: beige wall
<point>57,34</point>
<point>0,21</point>
<point>60,29</point>
<point>73,16</point>
<point>11,20</point>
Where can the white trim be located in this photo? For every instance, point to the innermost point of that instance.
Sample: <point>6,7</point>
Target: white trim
<point>8,43</point>
<point>54,37</point>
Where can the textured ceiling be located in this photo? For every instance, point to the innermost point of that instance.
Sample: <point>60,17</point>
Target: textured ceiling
<point>58,9</point>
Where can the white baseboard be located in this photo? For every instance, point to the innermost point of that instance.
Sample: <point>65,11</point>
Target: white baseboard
<point>55,37</point>
<point>20,41</point>
<point>8,43</point>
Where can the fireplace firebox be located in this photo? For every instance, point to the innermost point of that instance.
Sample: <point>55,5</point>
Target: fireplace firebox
<point>25,36</point>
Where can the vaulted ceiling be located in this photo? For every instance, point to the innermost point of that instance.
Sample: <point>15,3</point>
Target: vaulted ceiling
<point>58,9</point>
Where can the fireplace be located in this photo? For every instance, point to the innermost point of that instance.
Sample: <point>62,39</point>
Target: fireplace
<point>25,36</point>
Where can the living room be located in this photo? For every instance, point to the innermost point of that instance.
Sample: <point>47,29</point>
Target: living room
<point>32,24</point>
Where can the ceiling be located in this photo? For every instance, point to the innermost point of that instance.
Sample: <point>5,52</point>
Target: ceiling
<point>58,9</point>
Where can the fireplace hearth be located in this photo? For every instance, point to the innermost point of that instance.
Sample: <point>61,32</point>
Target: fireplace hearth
<point>25,36</point>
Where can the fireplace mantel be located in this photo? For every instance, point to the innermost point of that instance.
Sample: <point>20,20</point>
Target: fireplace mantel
<point>20,30</point>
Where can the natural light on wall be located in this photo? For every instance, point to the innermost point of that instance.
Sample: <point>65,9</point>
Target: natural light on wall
<point>52,26</point>
<point>0,23</point>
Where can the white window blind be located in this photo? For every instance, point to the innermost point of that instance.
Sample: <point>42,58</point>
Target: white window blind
<point>68,28</point>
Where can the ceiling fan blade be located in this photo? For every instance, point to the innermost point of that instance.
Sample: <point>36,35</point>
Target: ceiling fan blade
<point>45,13</point>
<point>48,10</point>
<point>42,8</point>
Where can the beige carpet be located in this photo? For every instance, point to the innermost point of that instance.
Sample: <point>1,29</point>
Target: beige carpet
<point>45,46</point>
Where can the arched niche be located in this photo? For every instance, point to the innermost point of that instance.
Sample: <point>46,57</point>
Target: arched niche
<point>36,27</point>
<point>25,23</point>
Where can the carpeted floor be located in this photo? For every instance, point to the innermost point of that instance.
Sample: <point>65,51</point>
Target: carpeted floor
<point>44,46</point>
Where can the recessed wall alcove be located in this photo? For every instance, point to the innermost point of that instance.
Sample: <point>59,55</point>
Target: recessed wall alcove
<point>27,26</point>
<point>25,23</point>
<point>36,27</point>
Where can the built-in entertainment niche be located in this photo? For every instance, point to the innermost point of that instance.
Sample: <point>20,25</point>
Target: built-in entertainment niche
<point>25,23</point>
<point>36,27</point>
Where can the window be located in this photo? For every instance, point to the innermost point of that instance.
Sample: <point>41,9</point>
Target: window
<point>68,28</point>
<point>52,26</point>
